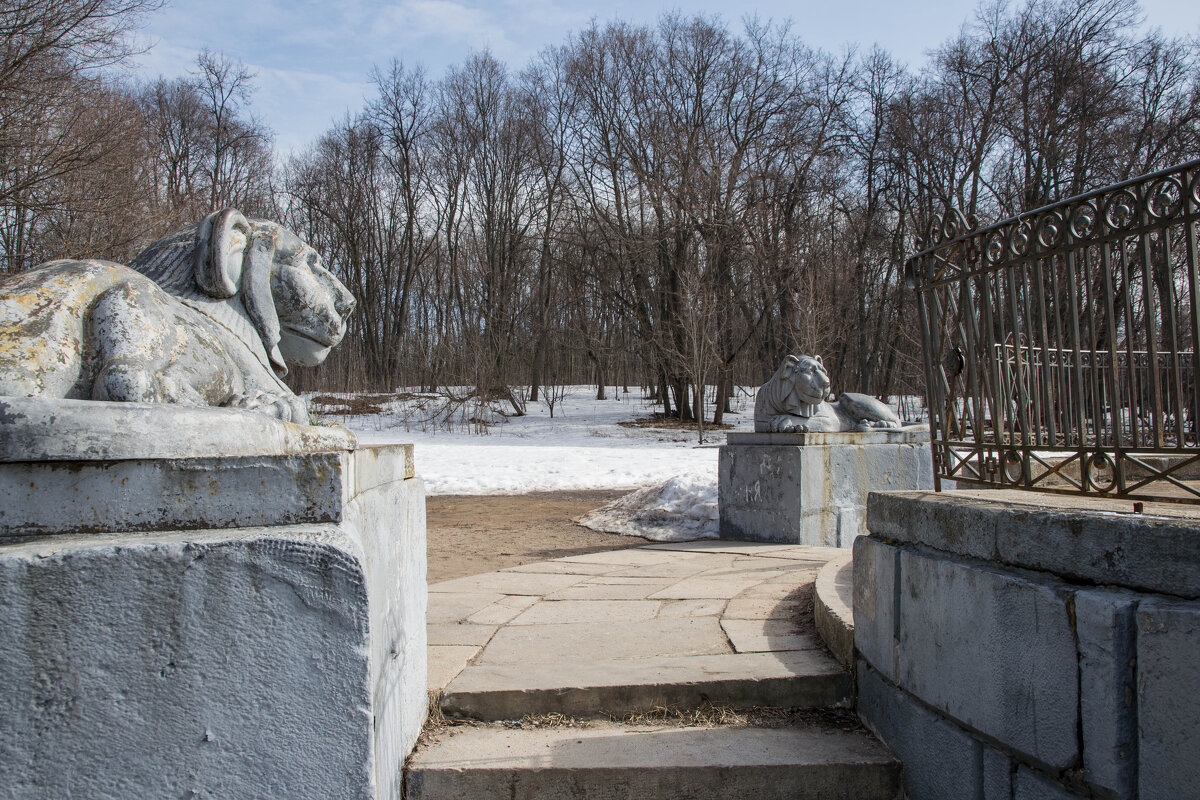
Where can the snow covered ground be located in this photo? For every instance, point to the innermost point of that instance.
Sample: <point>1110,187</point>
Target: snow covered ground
<point>583,446</point>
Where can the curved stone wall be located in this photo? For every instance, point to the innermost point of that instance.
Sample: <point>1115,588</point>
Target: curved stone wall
<point>1019,645</point>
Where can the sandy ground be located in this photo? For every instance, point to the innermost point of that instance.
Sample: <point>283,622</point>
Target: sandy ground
<point>469,534</point>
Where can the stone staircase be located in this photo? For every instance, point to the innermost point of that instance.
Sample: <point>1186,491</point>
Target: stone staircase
<point>668,672</point>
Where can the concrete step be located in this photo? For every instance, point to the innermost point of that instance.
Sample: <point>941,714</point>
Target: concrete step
<point>608,761</point>
<point>785,679</point>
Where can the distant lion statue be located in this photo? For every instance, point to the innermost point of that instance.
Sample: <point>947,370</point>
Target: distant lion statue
<point>793,401</point>
<point>211,315</point>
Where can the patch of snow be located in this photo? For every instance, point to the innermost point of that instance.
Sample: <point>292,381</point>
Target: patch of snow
<point>678,510</point>
<point>584,446</point>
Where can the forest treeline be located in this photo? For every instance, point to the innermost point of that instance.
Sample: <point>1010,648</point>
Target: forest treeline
<point>669,205</point>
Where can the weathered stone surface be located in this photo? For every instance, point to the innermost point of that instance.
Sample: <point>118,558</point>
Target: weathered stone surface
<point>811,494</point>
<point>911,434</point>
<point>1028,785</point>
<point>833,607</point>
<point>997,650</point>
<point>389,521</point>
<point>997,775</point>
<point>1168,666</point>
<point>220,310</point>
<point>993,650</point>
<point>876,582</point>
<point>101,484</point>
<point>611,761</point>
<point>146,662</point>
<point>940,760</point>
<point>89,497</point>
<point>245,662</point>
<point>1104,624</point>
<point>1086,539</point>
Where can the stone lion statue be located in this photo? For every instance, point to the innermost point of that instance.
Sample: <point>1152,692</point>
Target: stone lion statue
<point>210,315</point>
<point>794,401</point>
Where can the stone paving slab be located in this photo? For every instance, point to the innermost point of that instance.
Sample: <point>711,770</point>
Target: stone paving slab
<point>507,582</point>
<point>503,610</point>
<point>611,591</point>
<point>666,624</point>
<point>563,568</point>
<point>705,585</point>
<point>458,606</point>
<point>766,635</point>
<point>447,661</point>
<point>605,641</point>
<point>582,612</point>
<point>458,633</point>
<point>611,761</point>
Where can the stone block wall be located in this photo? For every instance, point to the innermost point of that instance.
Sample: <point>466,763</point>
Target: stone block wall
<point>178,623</point>
<point>1014,646</point>
<point>811,488</point>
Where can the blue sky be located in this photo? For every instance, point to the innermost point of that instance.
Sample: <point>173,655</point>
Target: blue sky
<point>312,57</point>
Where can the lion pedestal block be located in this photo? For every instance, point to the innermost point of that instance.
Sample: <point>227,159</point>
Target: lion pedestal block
<point>811,488</point>
<point>200,602</point>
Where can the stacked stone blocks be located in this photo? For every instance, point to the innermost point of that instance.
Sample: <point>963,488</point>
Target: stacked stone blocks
<point>1014,650</point>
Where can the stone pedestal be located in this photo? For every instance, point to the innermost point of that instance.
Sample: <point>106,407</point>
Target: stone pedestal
<point>205,603</point>
<point>811,488</point>
<point>1025,645</point>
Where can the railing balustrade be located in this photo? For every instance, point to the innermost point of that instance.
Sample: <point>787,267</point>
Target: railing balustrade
<point>1062,345</point>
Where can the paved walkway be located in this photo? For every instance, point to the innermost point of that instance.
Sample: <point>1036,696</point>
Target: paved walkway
<point>666,625</point>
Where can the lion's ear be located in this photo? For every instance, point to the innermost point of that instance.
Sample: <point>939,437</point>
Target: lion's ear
<point>257,297</point>
<point>818,360</point>
<point>221,242</point>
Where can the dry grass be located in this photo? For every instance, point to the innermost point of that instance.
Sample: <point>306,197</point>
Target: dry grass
<point>713,716</point>
<point>670,422</point>
<point>355,405</point>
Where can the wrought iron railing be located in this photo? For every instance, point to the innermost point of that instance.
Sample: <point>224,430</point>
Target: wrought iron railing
<point>1062,346</point>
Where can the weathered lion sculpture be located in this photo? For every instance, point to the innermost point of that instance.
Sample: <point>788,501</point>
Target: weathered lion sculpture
<point>793,401</point>
<point>210,315</point>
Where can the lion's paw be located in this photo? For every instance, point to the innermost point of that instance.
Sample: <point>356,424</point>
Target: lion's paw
<point>785,423</point>
<point>288,409</point>
<point>876,424</point>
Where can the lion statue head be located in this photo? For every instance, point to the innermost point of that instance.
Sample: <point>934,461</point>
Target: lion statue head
<point>258,279</point>
<point>797,389</point>
<point>803,382</point>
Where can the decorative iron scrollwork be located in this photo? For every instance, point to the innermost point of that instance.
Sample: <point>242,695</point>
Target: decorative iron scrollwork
<point>1063,344</point>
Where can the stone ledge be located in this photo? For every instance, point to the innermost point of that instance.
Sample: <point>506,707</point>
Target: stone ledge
<point>1092,540</point>
<point>913,434</point>
<point>833,610</point>
<point>51,497</point>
